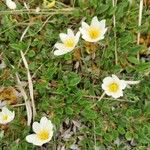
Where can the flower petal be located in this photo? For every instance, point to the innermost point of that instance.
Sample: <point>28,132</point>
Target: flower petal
<point>107,80</point>
<point>86,38</point>
<point>83,31</point>
<point>32,138</point>
<point>117,94</point>
<point>44,122</point>
<point>77,36</point>
<point>60,52</point>
<point>5,110</point>
<point>85,34</point>
<point>63,37</point>
<point>95,22</point>
<point>59,46</point>
<point>10,4</point>
<point>36,127</point>
<point>102,24</point>
<point>1,116</point>
<point>50,125</point>
<point>70,32</point>
<point>11,114</point>
<point>123,84</point>
<point>85,25</point>
<point>115,78</point>
<point>103,31</point>
<point>2,65</point>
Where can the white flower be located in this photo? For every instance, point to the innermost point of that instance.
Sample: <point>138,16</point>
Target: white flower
<point>2,65</point>
<point>69,41</point>
<point>113,86</point>
<point>37,9</point>
<point>6,116</point>
<point>93,32</point>
<point>43,132</point>
<point>10,4</point>
<point>2,104</point>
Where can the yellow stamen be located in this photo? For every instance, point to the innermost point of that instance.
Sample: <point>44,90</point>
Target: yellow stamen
<point>69,43</point>
<point>94,32</point>
<point>43,135</point>
<point>5,117</point>
<point>113,87</point>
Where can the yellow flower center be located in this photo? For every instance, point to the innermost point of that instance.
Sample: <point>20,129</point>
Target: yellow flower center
<point>94,32</point>
<point>113,87</point>
<point>43,135</point>
<point>5,117</point>
<point>69,43</point>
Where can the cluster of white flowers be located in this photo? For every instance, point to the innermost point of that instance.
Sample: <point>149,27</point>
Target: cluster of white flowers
<point>94,32</point>
<point>90,33</point>
<point>43,130</point>
<point>111,85</point>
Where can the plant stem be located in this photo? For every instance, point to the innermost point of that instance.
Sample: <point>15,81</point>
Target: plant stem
<point>139,24</point>
<point>100,98</point>
<point>115,36</point>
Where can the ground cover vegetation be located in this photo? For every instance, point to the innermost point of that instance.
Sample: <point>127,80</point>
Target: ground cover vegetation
<point>87,90</point>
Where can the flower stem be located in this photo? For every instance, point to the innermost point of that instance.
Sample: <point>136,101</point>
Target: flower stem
<point>115,36</point>
<point>101,97</point>
<point>139,24</point>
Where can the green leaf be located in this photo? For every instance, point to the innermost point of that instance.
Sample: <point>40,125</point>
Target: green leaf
<point>73,79</point>
<point>128,136</point>
<point>142,67</point>
<point>147,109</point>
<point>135,49</point>
<point>1,134</point>
<point>69,111</point>
<point>31,53</point>
<point>133,60</point>
<point>108,137</point>
<point>89,114</point>
<point>19,46</point>
<point>121,130</point>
